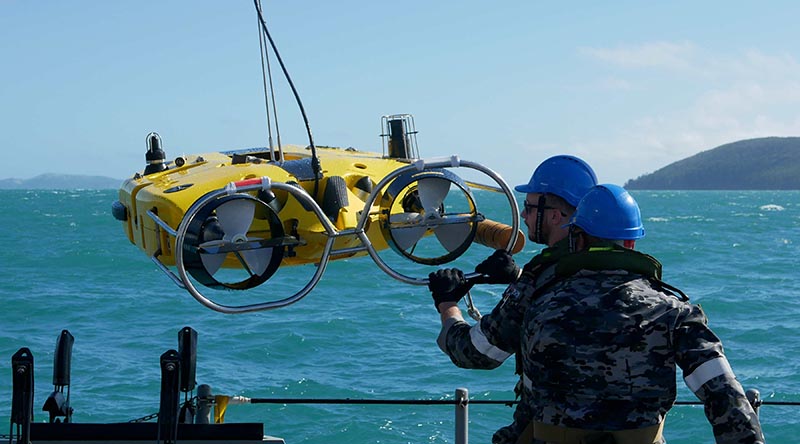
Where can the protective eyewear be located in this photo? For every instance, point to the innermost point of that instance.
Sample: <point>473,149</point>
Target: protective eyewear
<point>528,207</point>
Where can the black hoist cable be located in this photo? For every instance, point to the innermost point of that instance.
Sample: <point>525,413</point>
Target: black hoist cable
<point>317,169</point>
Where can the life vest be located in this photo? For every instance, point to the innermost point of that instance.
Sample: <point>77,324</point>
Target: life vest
<point>600,257</point>
<point>556,263</point>
<point>610,256</point>
<point>541,272</point>
<point>537,269</point>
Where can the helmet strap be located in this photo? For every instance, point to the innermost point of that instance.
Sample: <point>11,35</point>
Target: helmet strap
<point>572,235</point>
<point>538,236</point>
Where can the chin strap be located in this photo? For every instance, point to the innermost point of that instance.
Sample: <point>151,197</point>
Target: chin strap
<point>537,232</point>
<point>571,235</point>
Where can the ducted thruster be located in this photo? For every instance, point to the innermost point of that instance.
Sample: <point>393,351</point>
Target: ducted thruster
<point>241,233</point>
<point>431,202</point>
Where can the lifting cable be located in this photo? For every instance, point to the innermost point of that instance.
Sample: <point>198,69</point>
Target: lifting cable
<point>317,169</point>
<point>266,72</point>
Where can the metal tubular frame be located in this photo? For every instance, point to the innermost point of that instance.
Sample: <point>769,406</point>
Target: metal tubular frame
<point>264,183</point>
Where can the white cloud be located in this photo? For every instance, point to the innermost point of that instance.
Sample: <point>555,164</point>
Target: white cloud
<point>675,56</point>
<point>742,95</point>
<point>617,84</point>
<point>688,58</point>
<point>756,64</point>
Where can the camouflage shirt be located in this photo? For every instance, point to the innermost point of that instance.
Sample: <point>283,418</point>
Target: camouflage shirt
<point>600,350</point>
<point>487,344</point>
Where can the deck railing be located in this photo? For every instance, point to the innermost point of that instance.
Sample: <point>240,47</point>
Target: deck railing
<point>461,402</point>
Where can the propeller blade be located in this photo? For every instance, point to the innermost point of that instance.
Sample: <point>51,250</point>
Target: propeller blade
<point>406,237</point>
<point>235,217</point>
<point>257,260</point>
<point>451,236</point>
<point>432,192</point>
<point>212,262</point>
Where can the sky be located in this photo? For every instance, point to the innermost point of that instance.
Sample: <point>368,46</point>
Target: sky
<point>629,86</point>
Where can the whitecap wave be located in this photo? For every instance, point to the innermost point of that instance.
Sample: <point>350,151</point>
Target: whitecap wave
<point>771,207</point>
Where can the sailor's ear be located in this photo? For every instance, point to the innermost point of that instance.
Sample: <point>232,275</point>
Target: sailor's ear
<point>558,217</point>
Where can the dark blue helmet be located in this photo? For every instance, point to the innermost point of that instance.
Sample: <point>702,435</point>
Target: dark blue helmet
<point>609,212</point>
<point>565,176</point>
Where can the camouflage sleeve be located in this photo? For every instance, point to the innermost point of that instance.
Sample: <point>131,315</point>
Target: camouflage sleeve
<point>731,416</point>
<point>455,341</point>
<point>488,343</point>
<point>707,373</point>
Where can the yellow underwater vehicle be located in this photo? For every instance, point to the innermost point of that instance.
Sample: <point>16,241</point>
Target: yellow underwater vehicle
<point>229,220</point>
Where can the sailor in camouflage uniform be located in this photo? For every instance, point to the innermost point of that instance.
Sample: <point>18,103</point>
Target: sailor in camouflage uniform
<point>553,192</point>
<point>602,340</point>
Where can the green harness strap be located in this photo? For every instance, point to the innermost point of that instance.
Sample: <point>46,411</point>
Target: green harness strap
<point>533,270</point>
<point>546,257</point>
<point>609,256</point>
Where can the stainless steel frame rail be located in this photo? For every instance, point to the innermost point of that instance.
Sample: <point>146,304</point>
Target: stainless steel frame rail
<point>265,183</point>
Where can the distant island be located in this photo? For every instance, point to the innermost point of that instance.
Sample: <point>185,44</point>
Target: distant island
<point>61,182</point>
<point>769,163</point>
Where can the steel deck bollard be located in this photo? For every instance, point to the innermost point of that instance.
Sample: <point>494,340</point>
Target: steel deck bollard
<point>462,416</point>
<point>754,398</point>
<point>205,401</point>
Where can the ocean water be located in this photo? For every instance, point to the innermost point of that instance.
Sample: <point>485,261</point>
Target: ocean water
<point>67,265</point>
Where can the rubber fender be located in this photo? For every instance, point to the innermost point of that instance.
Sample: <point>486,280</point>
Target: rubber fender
<point>119,211</point>
<point>335,197</point>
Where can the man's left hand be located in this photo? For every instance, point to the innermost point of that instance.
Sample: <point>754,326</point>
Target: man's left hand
<point>447,285</point>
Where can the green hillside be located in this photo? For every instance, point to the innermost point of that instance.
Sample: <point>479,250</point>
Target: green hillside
<point>770,163</point>
<point>61,182</point>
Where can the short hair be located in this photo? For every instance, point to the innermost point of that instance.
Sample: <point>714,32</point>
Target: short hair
<point>559,203</point>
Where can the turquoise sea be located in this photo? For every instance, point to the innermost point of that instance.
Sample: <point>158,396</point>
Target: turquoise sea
<point>67,265</point>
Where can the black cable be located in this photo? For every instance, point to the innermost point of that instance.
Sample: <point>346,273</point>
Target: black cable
<point>314,159</point>
<point>352,401</point>
<point>435,401</point>
<point>264,68</point>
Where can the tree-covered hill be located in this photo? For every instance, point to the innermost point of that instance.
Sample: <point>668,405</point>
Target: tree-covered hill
<point>769,163</point>
<point>60,182</point>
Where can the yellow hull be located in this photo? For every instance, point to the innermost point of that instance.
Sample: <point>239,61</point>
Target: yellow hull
<point>170,193</point>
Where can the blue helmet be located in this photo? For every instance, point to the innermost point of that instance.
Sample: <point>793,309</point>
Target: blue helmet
<point>609,212</point>
<point>565,176</point>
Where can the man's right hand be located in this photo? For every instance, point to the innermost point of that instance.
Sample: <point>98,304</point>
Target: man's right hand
<point>447,285</point>
<point>499,268</point>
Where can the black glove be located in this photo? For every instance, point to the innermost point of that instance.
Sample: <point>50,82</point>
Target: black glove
<point>447,285</point>
<point>499,268</point>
